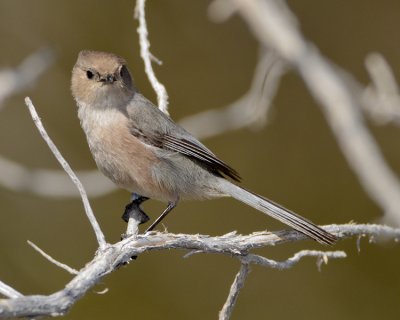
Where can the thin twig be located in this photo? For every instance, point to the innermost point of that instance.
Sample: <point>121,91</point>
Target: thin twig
<point>322,256</point>
<point>237,285</point>
<point>162,96</point>
<point>9,292</point>
<point>52,260</point>
<point>92,219</point>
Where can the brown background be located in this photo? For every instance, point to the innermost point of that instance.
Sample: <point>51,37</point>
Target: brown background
<point>294,160</point>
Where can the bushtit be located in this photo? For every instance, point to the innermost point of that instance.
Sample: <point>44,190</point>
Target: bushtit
<point>142,150</point>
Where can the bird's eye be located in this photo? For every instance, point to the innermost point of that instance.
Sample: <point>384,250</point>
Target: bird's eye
<point>89,74</point>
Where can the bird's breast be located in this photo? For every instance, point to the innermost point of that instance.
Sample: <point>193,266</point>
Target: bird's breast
<point>119,155</point>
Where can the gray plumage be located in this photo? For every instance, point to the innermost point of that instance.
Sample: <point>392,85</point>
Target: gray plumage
<point>142,150</point>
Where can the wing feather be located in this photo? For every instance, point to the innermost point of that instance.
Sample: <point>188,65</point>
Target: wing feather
<point>154,128</point>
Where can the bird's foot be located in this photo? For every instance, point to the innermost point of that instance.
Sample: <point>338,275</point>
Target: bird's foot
<point>133,210</point>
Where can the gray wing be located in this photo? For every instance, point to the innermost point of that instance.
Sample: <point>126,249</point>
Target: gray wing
<point>153,127</point>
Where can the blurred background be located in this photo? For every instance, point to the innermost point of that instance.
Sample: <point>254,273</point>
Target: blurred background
<point>293,160</point>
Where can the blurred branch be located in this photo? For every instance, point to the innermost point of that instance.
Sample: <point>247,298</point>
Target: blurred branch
<point>381,99</point>
<point>120,253</point>
<point>147,56</point>
<point>276,28</point>
<point>248,111</point>
<point>89,212</point>
<point>51,183</point>
<point>13,81</point>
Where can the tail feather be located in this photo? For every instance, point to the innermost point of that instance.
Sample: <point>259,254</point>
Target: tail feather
<point>278,212</point>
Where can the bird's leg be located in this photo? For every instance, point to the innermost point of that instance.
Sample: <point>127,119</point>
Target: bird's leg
<point>133,209</point>
<point>171,205</point>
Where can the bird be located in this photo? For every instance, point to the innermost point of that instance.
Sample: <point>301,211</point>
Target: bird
<point>141,149</point>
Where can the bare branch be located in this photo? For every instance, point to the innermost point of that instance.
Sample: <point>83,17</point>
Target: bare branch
<point>92,219</point>
<point>52,260</point>
<point>147,57</point>
<point>237,285</point>
<point>9,292</point>
<point>322,256</point>
<point>118,254</point>
<point>274,26</point>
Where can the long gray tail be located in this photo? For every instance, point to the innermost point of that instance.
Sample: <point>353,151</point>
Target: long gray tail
<point>278,212</point>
